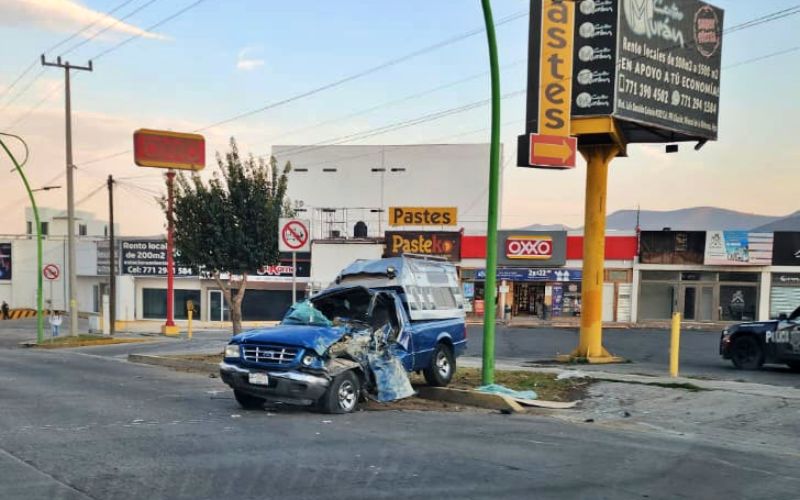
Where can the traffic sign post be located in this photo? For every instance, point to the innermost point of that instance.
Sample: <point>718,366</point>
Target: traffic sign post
<point>294,235</point>
<point>51,272</point>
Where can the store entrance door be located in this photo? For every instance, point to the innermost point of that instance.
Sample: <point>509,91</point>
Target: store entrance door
<point>697,303</point>
<point>529,299</point>
<point>218,309</point>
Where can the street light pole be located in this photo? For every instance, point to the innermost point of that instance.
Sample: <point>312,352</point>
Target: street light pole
<point>73,293</point>
<point>39,284</point>
<point>487,372</point>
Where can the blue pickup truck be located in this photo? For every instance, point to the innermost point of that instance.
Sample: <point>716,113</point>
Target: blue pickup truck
<point>358,339</point>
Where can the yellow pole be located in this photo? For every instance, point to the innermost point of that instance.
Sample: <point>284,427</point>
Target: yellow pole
<point>675,345</point>
<point>191,310</point>
<point>590,344</point>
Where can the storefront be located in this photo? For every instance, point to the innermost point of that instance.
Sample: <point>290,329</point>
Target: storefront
<point>705,276</point>
<point>785,278</point>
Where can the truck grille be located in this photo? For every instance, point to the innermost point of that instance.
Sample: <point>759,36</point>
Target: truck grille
<point>269,354</point>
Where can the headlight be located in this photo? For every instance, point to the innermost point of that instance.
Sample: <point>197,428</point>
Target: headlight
<point>307,360</point>
<point>232,351</point>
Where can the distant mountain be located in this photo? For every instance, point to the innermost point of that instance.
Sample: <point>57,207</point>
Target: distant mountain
<point>788,223</point>
<point>545,227</point>
<point>689,219</point>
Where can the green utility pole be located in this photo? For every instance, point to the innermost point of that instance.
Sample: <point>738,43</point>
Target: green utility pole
<point>18,168</point>
<point>490,294</point>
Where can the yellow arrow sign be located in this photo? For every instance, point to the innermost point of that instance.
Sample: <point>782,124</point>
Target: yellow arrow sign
<point>560,151</point>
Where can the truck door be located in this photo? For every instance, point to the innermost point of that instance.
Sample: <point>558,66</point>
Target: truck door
<point>786,343</point>
<point>404,347</point>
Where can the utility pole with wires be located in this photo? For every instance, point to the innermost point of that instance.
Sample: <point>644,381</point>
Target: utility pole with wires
<point>73,292</point>
<point>112,273</point>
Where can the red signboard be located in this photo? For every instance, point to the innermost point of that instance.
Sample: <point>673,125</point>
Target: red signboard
<point>163,149</point>
<point>552,151</point>
<point>529,247</point>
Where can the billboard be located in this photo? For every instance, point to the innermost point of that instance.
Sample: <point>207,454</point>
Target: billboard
<point>654,65</point>
<point>738,248</point>
<point>786,249</point>
<point>5,261</point>
<point>440,243</point>
<point>672,247</point>
<point>532,248</point>
<point>148,258</point>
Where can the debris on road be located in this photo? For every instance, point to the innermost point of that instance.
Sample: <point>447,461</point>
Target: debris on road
<point>571,374</point>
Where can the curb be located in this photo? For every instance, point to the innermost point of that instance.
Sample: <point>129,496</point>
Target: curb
<point>178,364</point>
<point>746,388</point>
<point>471,398</point>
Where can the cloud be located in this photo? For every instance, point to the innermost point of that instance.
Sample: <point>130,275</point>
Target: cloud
<point>64,16</point>
<point>246,62</point>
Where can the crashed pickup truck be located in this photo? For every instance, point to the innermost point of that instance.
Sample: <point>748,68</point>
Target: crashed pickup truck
<point>360,338</point>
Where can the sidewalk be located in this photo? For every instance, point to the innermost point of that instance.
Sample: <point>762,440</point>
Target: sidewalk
<point>154,326</point>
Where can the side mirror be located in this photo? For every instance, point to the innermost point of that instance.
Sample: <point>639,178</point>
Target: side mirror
<point>783,317</point>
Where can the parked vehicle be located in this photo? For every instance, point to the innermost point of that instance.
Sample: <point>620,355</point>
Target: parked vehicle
<point>359,338</point>
<point>750,345</point>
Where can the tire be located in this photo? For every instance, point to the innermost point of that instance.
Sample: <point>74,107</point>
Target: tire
<point>343,394</point>
<point>247,401</point>
<point>746,353</point>
<point>442,367</point>
<point>794,365</point>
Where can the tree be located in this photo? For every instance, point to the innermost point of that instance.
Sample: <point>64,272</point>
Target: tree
<point>228,227</point>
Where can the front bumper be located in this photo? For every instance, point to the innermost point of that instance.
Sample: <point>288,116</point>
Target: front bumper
<point>291,386</point>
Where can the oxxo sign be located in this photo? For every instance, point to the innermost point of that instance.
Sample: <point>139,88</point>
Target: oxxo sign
<point>422,216</point>
<point>529,247</point>
<point>532,248</point>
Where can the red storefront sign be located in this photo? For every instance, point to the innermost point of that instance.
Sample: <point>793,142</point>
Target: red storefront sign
<point>529,247</point>
<point>617,247</point>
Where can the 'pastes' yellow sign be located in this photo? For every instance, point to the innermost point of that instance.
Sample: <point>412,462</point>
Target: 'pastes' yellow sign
<point>555,70</point>
<point>423,216</point>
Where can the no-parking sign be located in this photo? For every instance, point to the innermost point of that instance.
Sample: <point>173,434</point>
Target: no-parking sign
<point>294,235</point>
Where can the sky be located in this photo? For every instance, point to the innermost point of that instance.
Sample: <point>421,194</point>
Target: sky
<point>218,59</point>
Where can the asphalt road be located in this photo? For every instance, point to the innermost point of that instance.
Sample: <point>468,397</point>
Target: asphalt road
<point>74,425</point>
<point>647,351</point>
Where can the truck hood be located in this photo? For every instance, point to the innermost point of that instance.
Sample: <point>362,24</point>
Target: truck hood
<point>316,338</point>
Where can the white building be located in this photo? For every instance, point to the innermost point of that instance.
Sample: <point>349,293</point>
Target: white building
<point>338,186</point>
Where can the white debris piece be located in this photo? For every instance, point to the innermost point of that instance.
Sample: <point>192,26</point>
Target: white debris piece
<point>568,374</point>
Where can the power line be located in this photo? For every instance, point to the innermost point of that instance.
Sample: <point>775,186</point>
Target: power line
<point>110,26</point>
<point>363,73</point>
<point>106,52</point>
<point>394,101</point>
<point>754,22</point>
<point>761,58</point>
<point>53,47</point>
<point>148,29</point>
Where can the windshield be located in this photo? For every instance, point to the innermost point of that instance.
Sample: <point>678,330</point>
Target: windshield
<point>304,313</point>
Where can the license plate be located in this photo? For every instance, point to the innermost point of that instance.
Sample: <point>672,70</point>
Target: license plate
<point>258,378</point>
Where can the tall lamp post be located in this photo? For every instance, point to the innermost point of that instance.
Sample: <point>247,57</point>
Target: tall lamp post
<point>39,285</point>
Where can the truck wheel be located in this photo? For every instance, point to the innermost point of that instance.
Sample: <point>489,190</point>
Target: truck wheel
<point>746,354</point>
<point>342,395</point>
<point>442,367</point>
<point>247,401</point>
<point>794,365</point>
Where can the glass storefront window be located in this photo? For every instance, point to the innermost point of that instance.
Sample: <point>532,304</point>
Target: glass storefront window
<point>617,275</point>
<point>656,300</point>
<point>738,302</point>
<point>154,303</point>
